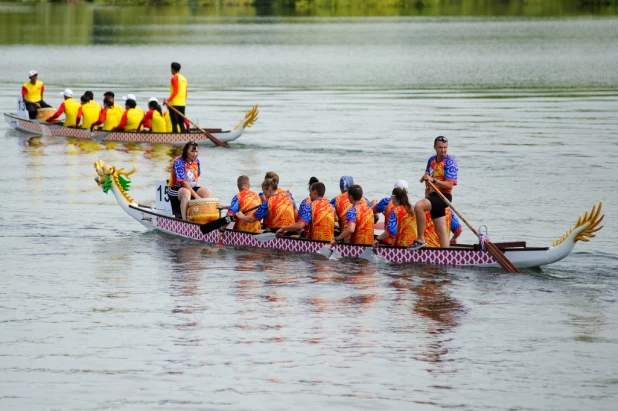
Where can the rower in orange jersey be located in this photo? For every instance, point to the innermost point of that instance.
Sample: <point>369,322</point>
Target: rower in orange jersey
<point>244,200</point>
<point>385,206</point>
<point>401,222</point>
<point>341,202</point>
<point>277,210</point>
<point>308,199</point>
<point>318,215</point>
<point>274,176</point>
<point>359,219</point>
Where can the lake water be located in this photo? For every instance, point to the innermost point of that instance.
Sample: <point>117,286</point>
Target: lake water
<point>96,313</point>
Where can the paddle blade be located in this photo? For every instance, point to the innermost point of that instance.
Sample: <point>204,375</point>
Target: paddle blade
<point>504,262</point>
<point>326,251</point>
<point>265,237</point>
<point>368,254</point>
<point>213,225</point>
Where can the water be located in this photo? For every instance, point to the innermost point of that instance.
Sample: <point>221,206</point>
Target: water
<point>96,313</point>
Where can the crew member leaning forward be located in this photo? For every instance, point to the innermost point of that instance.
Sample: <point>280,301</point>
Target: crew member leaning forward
<point>442,172</point>
<point>244,200</point>
<point>277,210</point>
<point>360,220</point>
<point>318,215</point>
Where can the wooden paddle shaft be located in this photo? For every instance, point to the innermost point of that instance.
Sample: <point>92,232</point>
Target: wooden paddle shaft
<point>210,136</point>
<point>452,207</point>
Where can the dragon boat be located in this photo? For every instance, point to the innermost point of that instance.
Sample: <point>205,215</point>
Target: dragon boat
<point>522,256</point>
<point>41,127</point>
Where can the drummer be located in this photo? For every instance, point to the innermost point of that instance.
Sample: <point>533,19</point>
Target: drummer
<point>32,93</point>
<point>184,178</point>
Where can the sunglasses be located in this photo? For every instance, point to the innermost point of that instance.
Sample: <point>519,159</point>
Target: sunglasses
<point>441,139</point>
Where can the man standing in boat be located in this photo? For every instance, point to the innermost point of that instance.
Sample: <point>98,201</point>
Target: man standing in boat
<point>442,172</point>
<point>177,98</point>
<point>277,210</point>
<point>317,215</point>
<point>32,93</point>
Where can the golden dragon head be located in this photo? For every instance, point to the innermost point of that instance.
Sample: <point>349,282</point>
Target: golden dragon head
<point>109,175</point>
<point>586,226</point>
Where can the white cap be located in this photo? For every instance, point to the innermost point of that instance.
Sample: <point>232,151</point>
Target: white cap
<point>67,92</point>
<point>129,97</point>
<point>153,99</point>
<point>32,73</point>
<point>401,184</point>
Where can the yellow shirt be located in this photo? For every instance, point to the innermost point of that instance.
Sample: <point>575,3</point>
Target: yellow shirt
<point>134,117</point>
<point>157,123</point>
<point>113,117</point>
<point>181,97</point>
<point>34,92</point>
<point>90,114</point>
<point>71,107</point>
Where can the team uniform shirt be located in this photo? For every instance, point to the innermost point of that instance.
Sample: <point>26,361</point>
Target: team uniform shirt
<point>33,92</point>
<point>456,226</point>
<point>69,107</point>
<point>445,170</point>
<point>277,211</point>
<point>131,119</point>
<point>88,113</point>
<point>319,217</point>
<point>168,122</point>
<point>431,235</point>
<point>401,226</point>
<point>245,200</point>
<point>110,118</point>
<point>178,90</point>
<point>184,171</point>
<point>342,205</point>
<point>385,206</point>
<point>155,121</point>
<point>361,215</point>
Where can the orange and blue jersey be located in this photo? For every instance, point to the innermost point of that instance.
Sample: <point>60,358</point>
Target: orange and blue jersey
<point>401,227</point>
<point>431,235</point>
<point>385,206</point>
<point>245,200</point>
<point>362,215</point>
<point>185,171</point>
<point>445,170</point>
<point>277,211</point>
<point>342,205</point>
<point>456,226</point>
<point>319,217</point>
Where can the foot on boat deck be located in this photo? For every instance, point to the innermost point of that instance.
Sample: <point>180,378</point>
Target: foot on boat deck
<point>416,245</point>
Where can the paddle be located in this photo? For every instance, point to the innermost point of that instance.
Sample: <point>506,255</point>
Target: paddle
<point>504,262</point>
<point>212,138</point>
<point>329,252</point>
<point>265,237</point>
<point>213,225</point>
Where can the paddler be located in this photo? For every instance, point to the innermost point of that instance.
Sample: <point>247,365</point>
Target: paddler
<point>186,171</point>
<point>316,215</point>
<point>109,117</point>
<point>88,113</point>
<point>177,98</point>
<point>116,110</point>
<point>400,224</point>
<point>359,219</point>
<point>32,93</point>
<point>244,200</point>
<point>69,107</point>
<point>131,118</point>
<point>308,199</point>
<point>277,209</point>
<point>153,117</point>
<point>442,171</point>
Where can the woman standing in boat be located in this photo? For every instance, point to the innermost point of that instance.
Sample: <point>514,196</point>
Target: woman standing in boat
<point>185,173</point>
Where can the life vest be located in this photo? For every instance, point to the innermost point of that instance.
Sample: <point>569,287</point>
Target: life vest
<point>322,226</point>
<point>34,92</point>
<point>363,232</point>
<point>134,117</point>
<point>280,211</point>
<point>248,199</point>
<point>181,97</point>
<point>71,107</point>
<point>157,123</point>
<point>90,114</point>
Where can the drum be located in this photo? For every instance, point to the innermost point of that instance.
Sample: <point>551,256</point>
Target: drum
<point>203,210</point>
<point>45,113</point>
